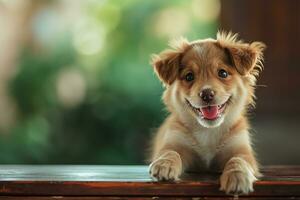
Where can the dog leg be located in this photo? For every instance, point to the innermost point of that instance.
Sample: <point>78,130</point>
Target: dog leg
<point>167,167</point>
<point>240,168</point>
<point>237,177</point>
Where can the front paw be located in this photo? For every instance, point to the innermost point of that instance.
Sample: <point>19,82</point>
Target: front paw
<point>166,167</point>
<point>237,177</point>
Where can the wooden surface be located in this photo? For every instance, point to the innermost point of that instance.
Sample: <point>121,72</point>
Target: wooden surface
<point>112,182</point>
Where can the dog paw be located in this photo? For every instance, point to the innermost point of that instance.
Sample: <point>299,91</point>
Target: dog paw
<point>166,167</point>
<point>237,177</point>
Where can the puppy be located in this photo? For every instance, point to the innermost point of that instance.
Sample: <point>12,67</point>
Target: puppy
<point>209,86</point>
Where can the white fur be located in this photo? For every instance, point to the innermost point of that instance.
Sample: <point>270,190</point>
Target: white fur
<point>198,49</point>
<point>206,87</point>
<point>208,141</point>
<point>175,137</point>
<point>241,139</point>
<point>240,178</point>
<point>164,167</point>
<point>174,94</point>
<point>239,103</point>
<point>206,144</point>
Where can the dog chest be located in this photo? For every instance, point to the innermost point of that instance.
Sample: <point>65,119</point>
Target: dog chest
<point>206,144</point>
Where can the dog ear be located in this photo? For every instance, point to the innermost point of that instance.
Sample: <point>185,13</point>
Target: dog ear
<point>244,56</point>
<point>167,64</point>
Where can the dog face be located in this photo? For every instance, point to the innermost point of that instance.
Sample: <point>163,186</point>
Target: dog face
<point>212,80</point>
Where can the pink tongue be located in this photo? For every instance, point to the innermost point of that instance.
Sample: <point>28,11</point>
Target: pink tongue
<point>210,112</point>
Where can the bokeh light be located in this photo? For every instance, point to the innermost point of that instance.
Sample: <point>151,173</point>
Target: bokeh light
<point>88,36</point>
<point>70,87</point>
<point>206,10</point>
<point>171,23</point>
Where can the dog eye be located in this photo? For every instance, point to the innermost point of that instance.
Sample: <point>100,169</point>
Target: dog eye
<point>222,73</point>
<point>189,76</point>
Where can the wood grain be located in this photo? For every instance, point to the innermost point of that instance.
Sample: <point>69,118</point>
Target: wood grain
<point>132,181</point>
<point>140,198</point>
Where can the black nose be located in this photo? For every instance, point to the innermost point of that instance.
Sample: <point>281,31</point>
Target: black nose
<point>207,95</point>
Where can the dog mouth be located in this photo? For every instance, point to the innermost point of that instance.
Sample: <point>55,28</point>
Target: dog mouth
<point>210,112</point>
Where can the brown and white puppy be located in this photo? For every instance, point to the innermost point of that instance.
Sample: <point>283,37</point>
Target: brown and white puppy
<point>209,86</point>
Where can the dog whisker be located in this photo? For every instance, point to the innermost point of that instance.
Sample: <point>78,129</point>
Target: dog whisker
<point>261,86</point>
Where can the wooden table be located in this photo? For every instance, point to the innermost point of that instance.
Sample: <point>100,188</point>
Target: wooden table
<point>118,182</point>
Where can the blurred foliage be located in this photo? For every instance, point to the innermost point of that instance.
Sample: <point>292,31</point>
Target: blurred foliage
<point>113,122</point>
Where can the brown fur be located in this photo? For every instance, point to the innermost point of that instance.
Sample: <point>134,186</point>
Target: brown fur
<point>186,141</point>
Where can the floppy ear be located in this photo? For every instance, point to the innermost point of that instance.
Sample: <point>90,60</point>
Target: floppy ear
<point>166,66</point>
<point>244,56</point>
<point>167,63</point>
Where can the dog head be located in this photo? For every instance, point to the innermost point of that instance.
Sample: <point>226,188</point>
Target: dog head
<point>211,80</point>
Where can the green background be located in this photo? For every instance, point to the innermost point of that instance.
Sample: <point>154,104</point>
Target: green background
<point>121,106</point>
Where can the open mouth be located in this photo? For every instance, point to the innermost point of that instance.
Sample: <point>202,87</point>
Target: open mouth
<point>210,112</point>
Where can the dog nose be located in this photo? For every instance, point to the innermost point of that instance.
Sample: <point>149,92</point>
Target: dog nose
<point>207,95</point>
